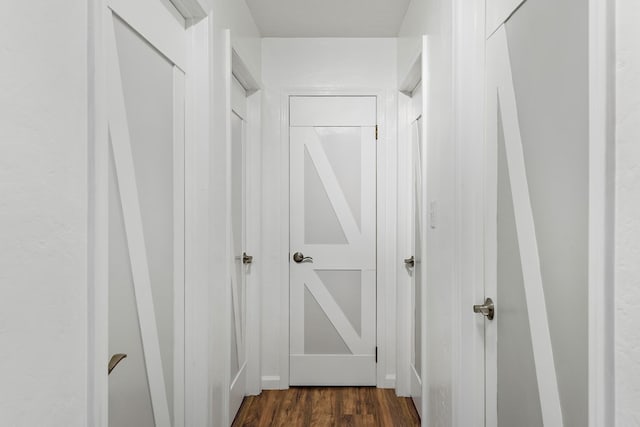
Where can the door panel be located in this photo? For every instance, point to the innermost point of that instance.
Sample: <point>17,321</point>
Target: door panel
<point>146,230</point>
<point>417,278</point>
<point>238,249</point>
<point>537,200</point>
<point>333,221</point>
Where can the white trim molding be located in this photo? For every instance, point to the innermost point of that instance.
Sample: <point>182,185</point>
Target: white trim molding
<point>601,212</point>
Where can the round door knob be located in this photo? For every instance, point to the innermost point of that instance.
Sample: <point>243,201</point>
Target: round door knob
<point>299,258</point>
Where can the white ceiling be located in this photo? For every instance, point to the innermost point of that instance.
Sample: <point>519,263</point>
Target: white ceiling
<point>328,18</point>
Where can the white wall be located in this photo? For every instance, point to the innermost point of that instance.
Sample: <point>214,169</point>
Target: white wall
<point>311,63</point>
<point>434,18</point>
<point>627,268</point>
<point>43,213</point>
<point>231,27</point>
<point>235,16</point>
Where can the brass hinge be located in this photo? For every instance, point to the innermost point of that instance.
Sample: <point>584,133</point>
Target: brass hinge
<point>376,132</point>
<point>376,354</point>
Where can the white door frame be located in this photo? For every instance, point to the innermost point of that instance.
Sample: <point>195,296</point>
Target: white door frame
<point>469,99</point>
<point>385,207</point>
<point>97,270</point>
<point>601,403</point>
<point>601,212</point>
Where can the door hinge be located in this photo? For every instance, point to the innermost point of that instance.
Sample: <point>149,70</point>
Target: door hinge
<point>376,132</point>
<point>376,354</point>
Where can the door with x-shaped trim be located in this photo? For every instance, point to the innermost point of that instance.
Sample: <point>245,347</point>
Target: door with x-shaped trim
<point>536,219</point>
<point>333,240</point>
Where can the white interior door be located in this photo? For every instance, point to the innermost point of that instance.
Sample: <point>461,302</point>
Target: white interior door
<point>145,45</point>
<point>333,240</point>
<point>536,221</point>
<point>415,262</point>
<point>241,261</point>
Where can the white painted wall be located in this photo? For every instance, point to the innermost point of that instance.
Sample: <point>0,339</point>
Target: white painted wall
<point>231,27</point>
<point>235,16</point>
<point>311,63</point>
<point>434,18</point>
<point>627,267</point>
<point>43,213</point>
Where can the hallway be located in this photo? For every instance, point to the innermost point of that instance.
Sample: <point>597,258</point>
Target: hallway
<point>318,213</point>
<point>327,407</point>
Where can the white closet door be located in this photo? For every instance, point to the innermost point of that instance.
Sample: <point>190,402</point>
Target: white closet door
<point>241,264</point>
<point>417,267</point>
<point>333,240</point>
<point>146,215</point>
<point>536,221</point>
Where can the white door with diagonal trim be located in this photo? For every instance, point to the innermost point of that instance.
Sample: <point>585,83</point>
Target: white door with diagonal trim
<point>241,260</point>
<point>536,219</point>
<point>415,264</point>
<point>333,240</point>
<point>145,44</point>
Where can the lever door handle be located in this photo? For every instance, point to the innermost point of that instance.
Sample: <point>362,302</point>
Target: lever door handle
<point>247,259</point>
<point>487,309</point>
<point>299,258</point>
<point>410,261</point>
<point>115,360</point>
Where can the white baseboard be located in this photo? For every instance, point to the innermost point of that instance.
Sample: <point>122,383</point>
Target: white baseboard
<point>271,382</point>
<point>389,382</point>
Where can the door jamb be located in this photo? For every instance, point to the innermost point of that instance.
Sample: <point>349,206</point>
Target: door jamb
<point>385,230</point>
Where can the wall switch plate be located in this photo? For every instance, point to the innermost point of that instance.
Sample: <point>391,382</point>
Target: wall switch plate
<point>433,214</point>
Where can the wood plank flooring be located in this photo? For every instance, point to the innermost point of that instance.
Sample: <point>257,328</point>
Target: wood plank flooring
<point>327,407</point>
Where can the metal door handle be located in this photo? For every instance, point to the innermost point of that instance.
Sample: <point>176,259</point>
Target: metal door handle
<point>487,309</point>
<point>115,360</point>
<point>410,261</point>
<point>299,257</point>
<point>247,259</point>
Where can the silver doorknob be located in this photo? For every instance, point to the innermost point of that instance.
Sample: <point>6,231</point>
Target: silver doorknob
<point>299,257</point>
<point>487,309</point>
<point>246,259</point>
<point>410,261</point>
<point>115,359</point>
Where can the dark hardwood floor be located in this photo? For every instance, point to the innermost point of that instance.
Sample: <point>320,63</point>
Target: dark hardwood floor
<point>327,406</point>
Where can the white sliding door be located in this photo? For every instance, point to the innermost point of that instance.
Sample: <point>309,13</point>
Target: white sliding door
<point>333,240</point>
<point>145,44</point>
